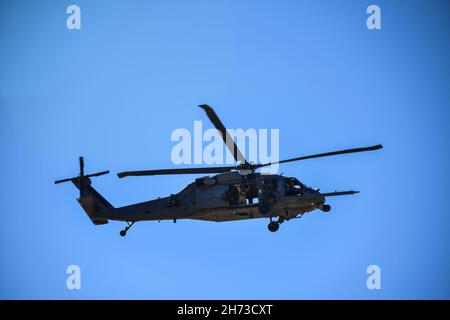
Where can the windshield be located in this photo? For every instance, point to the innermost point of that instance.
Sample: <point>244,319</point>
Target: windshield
<point>293,186</point>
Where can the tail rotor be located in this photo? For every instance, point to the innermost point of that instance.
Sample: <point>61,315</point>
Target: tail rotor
<point>82,179</point>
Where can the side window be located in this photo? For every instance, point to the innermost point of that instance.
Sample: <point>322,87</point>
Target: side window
<point>233,195</point>
<point>209,197</point>
<point>204,194</point>
<point>280,185</point>
<point>211,193</point>
<point>219,191</point>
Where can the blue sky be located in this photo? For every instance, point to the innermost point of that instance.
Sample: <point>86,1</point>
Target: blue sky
<point>116,89</point>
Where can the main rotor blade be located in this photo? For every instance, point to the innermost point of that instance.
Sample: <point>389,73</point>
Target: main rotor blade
<point>86,176</point>
<point>81,166</point>
<point>227,139</point>
<point>174,171</point>
<point>64,180</point>
<point>327,154</point>
<point>97,174</point>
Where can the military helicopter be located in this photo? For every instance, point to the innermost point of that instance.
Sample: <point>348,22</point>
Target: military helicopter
<point>235,193</point>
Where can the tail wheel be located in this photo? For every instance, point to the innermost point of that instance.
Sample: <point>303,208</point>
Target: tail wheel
<point>123,233</point>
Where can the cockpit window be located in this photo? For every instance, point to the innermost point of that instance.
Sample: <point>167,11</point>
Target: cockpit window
<point>293,187</point>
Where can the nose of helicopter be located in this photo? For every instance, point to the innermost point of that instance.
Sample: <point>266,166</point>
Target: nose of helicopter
<point>314,197</point>
<point>308,198</point>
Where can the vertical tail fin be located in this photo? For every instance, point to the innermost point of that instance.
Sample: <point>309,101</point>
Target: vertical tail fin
<point>90,200</point>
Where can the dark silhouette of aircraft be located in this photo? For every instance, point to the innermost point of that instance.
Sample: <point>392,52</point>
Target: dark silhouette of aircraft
<point>234,193</point>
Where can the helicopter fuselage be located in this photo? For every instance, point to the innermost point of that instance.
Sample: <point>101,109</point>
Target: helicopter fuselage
<point>226,197</point>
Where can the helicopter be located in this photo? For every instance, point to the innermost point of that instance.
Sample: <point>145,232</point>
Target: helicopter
<point>235,192</point>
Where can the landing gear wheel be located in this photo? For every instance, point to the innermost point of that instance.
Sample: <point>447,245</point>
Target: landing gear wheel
<point>273,226</point>
<point>326,208</point>
<point>123,233</point>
